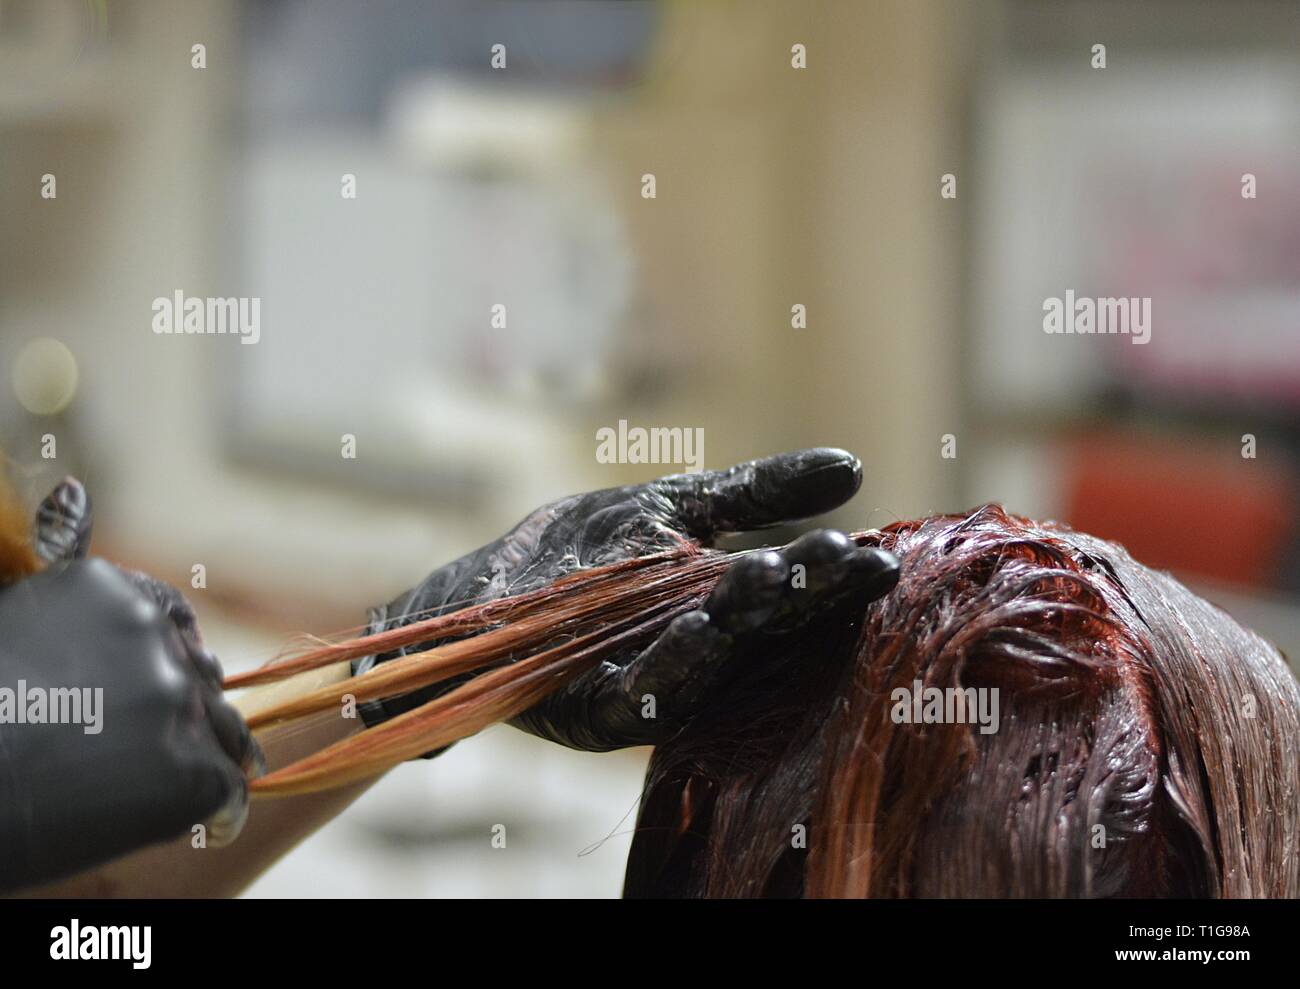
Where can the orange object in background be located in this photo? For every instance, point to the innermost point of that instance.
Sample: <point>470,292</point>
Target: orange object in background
<point>1194,508</point>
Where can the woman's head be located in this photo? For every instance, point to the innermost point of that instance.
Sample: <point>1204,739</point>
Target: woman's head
<point>1029,713</point>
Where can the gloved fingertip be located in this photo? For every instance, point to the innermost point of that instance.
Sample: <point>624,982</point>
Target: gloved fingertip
<point>875,570</point>
<point>206,662</point>
<point>749,592</point>
<point>63,522</point>
<point>254,762</point>
<point>806,483</point>
<point>821,546</point>
<point>225,825</point>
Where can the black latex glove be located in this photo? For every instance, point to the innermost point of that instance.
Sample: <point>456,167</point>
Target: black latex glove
<point>170,750</point>
<point>603,709</point>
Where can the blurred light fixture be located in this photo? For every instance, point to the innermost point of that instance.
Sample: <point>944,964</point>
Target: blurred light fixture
<point>45,376</point>
<point>451,123</point>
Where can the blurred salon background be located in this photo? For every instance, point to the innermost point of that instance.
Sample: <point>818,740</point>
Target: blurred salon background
<point>920,347</point>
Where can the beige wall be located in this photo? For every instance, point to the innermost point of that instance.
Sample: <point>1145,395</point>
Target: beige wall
<point>775,186</point>
<point>818,186</point>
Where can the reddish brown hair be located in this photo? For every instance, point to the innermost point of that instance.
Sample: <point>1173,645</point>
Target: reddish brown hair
<point>1147,746</point>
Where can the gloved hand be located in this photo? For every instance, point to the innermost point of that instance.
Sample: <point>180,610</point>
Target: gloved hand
<point>165,750</point>
<point>602,709</point>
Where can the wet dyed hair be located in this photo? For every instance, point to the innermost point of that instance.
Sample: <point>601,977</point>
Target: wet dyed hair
<point>1147,743</point>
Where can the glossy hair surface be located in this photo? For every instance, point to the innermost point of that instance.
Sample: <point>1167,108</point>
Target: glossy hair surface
<point>1146,745</point>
